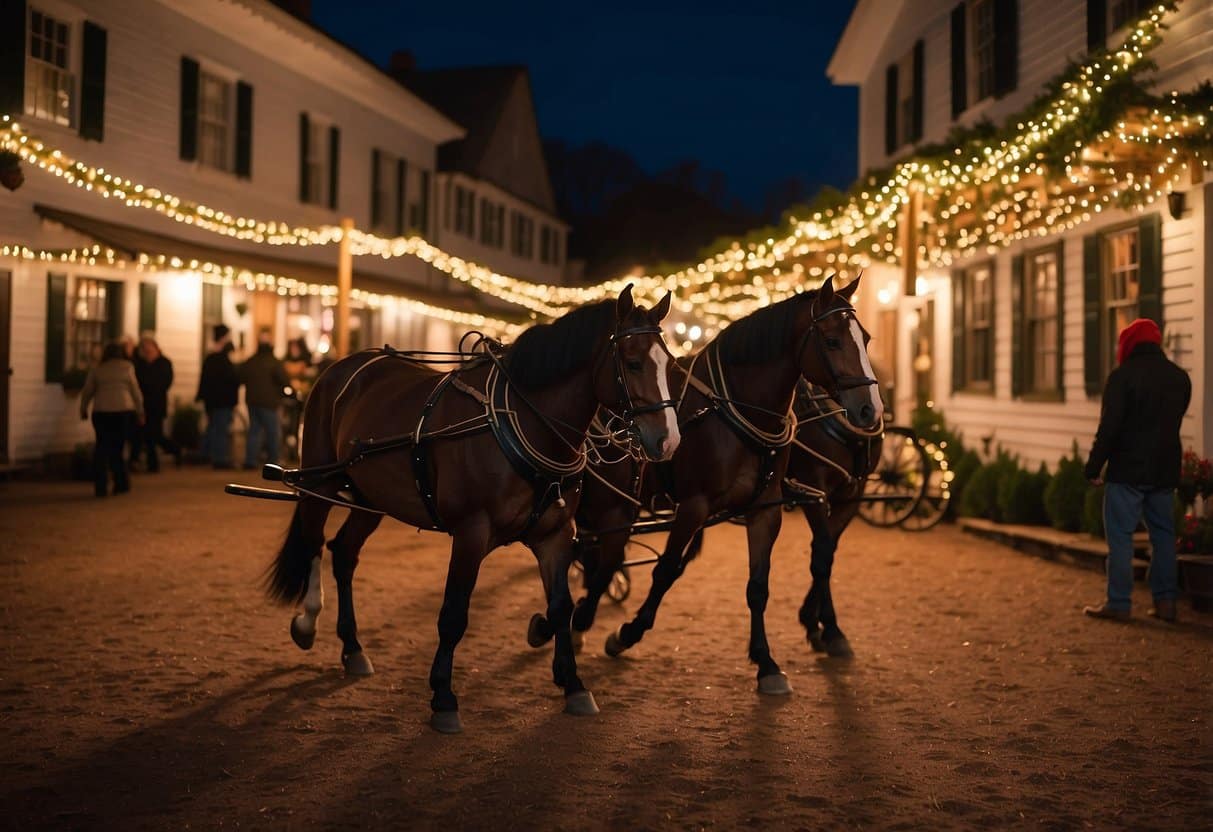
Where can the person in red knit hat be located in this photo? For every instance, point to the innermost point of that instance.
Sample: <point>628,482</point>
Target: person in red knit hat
<point>1144,402</point>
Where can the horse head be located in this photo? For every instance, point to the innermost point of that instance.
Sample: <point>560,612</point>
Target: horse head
<point>833,354</point>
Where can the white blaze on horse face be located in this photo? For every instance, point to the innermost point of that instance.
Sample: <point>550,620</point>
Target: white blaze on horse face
<point>313,602</point>
<point>873,389</point>
<point>661,358</point>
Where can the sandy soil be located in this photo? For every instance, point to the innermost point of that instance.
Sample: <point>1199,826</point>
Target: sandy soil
<point>145,683</point>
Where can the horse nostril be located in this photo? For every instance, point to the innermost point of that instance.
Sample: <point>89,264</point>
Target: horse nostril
<point>867,412</point>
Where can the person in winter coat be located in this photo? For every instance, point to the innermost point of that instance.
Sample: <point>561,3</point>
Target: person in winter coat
<point>265,383</point>
<point>1144,402</point>
<point>218,390</point>
<point>155,374</point>
<point>117,404</point>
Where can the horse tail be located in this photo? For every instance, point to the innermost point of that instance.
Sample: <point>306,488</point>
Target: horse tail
<point>286,580</point>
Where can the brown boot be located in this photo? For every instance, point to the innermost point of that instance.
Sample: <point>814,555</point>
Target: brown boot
<point>1104,611</point>
<point>1164,610</point>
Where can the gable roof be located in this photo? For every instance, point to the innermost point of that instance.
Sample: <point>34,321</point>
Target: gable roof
<point>862,40</point>
<point>480,98</point>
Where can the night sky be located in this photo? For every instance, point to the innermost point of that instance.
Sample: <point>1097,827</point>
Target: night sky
<point>739,86</point>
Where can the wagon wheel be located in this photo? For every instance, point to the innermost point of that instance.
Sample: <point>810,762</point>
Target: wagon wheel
<point>898,481</point>
<point>934,503</point>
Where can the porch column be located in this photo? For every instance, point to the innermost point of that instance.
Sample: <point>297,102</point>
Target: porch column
<point>345,281</point>
<point>909,242</point>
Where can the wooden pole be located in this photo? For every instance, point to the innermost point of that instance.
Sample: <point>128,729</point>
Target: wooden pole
<point>345,281</point>
<point>909,243</point>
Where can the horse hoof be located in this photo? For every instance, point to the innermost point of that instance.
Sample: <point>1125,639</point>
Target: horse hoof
<point>302,637</point>
<point>776,684</point>
<point>614,645</point>
<point>578,641</point>
<point>446,722</point>
<point>580,703</point>
<point>535,635</point>
<point>839,648</point>
<point>357,664</point>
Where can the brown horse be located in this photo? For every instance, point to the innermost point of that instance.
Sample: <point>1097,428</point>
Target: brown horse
<point>496,457</point>
<point>736,435</point>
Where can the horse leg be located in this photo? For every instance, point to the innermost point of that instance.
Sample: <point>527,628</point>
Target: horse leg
<point>762,527</point>
<point>682,545</point>
<point>554,554</point>
<point>609,560</point>
<point>832,637</point>
<point>345,548</point>
<point>819,604</point>
<point>810,610</point>
<point>468,549</point>
<point>296,573</point>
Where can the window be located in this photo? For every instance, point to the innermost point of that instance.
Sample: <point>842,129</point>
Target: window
<point>421,220</point>
<point>90,324</point>
<point>549,245</point>
<point>522,235</point>
<point>979,328</point>
<point>385,195</point>
<point>49,84</point>
<point>215,133</point>
<point>1121,286</point>
<point>492,223</point>
<point>1042,317</point>
<point>1124,12</point>
<point>982,40</point>
<point>905,100</point>
<point>465,208</point>
<point>315,163</point>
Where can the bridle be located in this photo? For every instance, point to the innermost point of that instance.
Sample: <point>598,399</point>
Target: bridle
<point>622,425</point>
<point>838,383</point>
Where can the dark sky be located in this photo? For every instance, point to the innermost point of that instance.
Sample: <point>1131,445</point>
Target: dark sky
<point>739,85</point>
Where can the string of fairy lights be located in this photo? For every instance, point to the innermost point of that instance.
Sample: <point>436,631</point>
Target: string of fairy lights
<point>1025,199</point>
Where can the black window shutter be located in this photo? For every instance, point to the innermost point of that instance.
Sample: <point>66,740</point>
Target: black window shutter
<point>1097,24</point>
<point>423,204</point>
<point>919,70</point>
<point>1061,319</point>
<point>1019,356</point>
<point>244,130</point>
<point>890,110</point>
<point>1092,308</point>
<point>189,109</point>
<point>92,82</point>
<point>334,164</point>
<point>115,309</point>
<point>376,208</point>
<point>147,307</point>
<point>12,57</point>
<point>56,326</point>
<point>305,135</point>
<point>958,331</point>
<point>959,77</point>
<point>1149,296</point>
<point>402,189</point>
<point>1006,46</point>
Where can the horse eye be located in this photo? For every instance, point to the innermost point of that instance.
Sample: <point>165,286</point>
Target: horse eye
<point>633,364</point>
<point>833,343</point>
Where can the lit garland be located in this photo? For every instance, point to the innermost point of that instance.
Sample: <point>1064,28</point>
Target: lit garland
<point>861,229</point>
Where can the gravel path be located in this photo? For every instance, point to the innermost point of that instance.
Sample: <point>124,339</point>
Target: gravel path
<point>145,683</point>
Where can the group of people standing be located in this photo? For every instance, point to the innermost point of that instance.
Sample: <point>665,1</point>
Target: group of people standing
<point>128,390</point>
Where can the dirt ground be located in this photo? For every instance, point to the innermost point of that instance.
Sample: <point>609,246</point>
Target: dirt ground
<point>145,683</point>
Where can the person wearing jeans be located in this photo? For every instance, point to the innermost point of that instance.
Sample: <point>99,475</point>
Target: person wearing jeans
<point>1144,402</point>
<point>265,383</point>
<point>218,390</point>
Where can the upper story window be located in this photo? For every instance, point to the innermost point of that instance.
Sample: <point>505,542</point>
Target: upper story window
<point>522,235</point>
<point>985,51</point>
<point>549,245</point>
<point>388,175</point>
<point>492,223</point>
<point>904,100</point>
<point>319,156</point>
<point>216,118</point>
<point>465,209</point>
<point>419,209</point>
<point>50,87</point>
<point>1124,12</point>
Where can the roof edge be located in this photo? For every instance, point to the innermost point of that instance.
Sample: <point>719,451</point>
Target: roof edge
<point>861,41</point>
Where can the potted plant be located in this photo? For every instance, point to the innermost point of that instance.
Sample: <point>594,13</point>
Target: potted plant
<point>73,380</point>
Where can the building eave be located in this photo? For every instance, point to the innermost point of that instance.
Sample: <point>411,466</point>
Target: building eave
<point>866,32</point>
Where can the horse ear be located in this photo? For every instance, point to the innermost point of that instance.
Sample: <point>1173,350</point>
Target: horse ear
<point>846,291</point>
<point>825,295</point>
<point>662,308</point>
<point>625,304</point>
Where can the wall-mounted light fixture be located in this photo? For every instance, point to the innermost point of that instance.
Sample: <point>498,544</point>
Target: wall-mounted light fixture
<point>1176,201</point>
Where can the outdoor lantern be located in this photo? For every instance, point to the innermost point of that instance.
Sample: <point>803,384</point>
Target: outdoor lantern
<point>1176,201</point>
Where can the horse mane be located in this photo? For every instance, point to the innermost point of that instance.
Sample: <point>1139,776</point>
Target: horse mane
<point>547,353</point>
<point>762,335</point>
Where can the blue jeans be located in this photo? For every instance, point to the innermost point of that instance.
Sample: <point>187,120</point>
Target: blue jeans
<point>218,435</point>
<point>1123,506</point>
<point>262,421</point>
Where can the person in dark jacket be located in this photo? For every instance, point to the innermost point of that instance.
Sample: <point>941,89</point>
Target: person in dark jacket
<point>265,383</point>
<point>218,390</point>
<point>155,374</point>
<point>1144,402</point>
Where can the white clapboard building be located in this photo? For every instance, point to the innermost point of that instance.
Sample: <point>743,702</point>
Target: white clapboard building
<point>241,106</point>
<point>1013,344</point>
